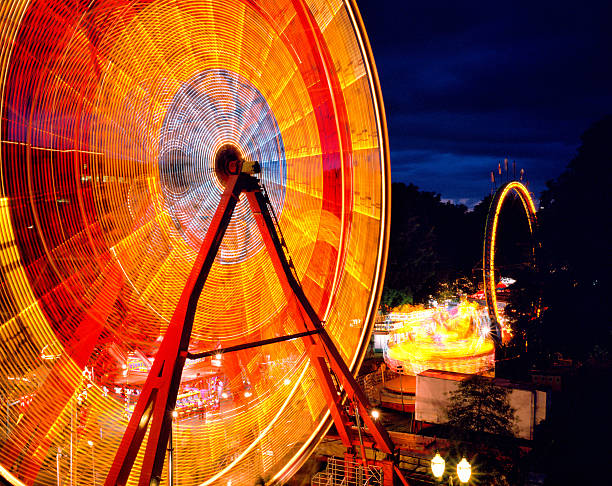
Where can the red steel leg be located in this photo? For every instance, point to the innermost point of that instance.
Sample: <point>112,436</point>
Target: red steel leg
<point>158,397</point>
<point>320,345</point>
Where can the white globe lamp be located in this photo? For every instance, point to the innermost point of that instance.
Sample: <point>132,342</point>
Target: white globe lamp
<point>464,470</point>
<point>437,466</point>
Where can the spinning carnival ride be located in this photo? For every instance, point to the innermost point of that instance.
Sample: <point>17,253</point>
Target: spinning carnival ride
<point>459,337</point>
<point>453,337</point>
<point>193,226</point>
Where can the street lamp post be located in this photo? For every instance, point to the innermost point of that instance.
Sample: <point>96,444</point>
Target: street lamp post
<point>375,415</point>
<point>57,465</point>
<point>93,462</point>
<point>171,450</point>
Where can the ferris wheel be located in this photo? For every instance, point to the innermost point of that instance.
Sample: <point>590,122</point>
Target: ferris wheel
<point>193,233</point>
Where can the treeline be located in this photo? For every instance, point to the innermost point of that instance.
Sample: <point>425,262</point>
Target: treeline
<point>432,244</point>
<point>435,247</point>
<point>575,278</point>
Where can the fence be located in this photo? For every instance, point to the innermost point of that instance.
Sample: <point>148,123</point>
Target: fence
<point>372,383</point>
<point>340,472</point>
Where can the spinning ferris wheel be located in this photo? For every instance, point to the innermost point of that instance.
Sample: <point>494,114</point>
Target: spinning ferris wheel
<point>193,227</point>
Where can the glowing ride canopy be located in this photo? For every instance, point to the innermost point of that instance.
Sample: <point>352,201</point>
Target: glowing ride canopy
<point>111,119</point>
<point>452,338</point>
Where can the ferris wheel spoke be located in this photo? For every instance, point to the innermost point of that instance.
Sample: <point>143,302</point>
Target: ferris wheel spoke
<point>101,239</point>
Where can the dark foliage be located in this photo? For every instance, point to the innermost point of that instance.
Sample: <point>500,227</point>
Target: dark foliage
<point>482,422</point>
<point>479,406</point>
<point>577,240</point>
<point>436,247</point>
<point>577,428</point>
<point>575,278</point>
<point>432,245</point>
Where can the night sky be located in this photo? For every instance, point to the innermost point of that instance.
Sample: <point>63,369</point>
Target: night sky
<point>466,84</point>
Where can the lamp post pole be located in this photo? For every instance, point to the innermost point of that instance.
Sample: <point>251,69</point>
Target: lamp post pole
<point>93,462</point>
<point>57,465</point>
<point>171,450</point>
<point>170,458</point>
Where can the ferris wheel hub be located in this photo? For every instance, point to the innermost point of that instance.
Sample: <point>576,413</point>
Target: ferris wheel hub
<point>229,161</point>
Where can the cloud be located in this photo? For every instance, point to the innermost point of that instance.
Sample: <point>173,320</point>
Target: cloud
<point>463,177</point>
<point>466,84</point>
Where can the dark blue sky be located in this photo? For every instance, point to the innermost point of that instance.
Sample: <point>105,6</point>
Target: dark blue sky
<point>466,84</point>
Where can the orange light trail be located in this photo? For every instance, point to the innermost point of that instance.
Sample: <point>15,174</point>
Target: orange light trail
<point>112,114</point>
<point>497,202</point>
<point>454,338</point>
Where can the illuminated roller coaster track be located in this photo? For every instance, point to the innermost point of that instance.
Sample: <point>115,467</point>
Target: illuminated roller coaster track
<point>125,129</point>
<point>497,202</point>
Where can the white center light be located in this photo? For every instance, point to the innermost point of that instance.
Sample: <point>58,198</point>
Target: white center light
<point>464,470</point>
<point>437,466</point>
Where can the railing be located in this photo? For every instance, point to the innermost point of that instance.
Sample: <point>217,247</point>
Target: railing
<point>340,472</point>
<point>371,384</point>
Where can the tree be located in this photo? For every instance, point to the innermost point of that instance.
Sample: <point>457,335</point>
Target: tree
<point>433,245</point>
<point>576,241</point>
<point>482,423</point>
<point>412,261</point>
<point>479,406</point>
<point>524,314</point>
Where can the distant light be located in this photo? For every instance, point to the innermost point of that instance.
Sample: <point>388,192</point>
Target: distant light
<point>223,395</point>
<point>287,381</point>
<point>247,394</point>
<point>124,366</point>
<point>464,470</point>
<point>437,465</point>
<point>90,443</point>
<point>174,414</point>
<point>375,414</point>
<point>218,356</point>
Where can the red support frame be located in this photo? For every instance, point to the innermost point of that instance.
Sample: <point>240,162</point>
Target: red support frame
<point>158,396</point>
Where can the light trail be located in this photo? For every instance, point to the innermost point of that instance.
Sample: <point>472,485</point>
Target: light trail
<point>453,338</point>
<point>488,267</point>
<point>112,116</point>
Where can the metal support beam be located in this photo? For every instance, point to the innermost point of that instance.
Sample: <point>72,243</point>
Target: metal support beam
<point>158,396</point>
<point>255,344</point>
<point>320,346</point>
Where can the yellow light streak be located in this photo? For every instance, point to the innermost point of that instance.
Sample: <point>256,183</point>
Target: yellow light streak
<point>491,239</point>
<point>453,339</point>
